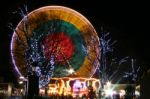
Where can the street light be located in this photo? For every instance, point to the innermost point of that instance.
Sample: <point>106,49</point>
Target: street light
<point>20,82</point>
<point>23,80</point>
<point>108,84</point>
<point>107,89</point>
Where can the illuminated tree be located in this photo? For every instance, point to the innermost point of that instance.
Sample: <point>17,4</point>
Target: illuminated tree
<point>132,76</point>
<point>34,54</point>
<point>106,47</point>
<point>133,73</point>
<point>107,60</point>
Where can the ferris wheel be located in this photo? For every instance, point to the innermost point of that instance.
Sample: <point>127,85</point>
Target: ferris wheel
<point>55,38</point>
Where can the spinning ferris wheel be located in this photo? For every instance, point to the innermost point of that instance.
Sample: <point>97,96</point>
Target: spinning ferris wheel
<point>55,38</point>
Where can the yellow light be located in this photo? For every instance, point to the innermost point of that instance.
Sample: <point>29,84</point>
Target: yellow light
<point>21,77</point>
<point>122,92</point>
<point>71,71</point>
<point>109,92</point>
<point>20,82</point>
<point>108,84</point>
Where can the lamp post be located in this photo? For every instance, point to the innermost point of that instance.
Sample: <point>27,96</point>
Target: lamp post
<point>24,81</point>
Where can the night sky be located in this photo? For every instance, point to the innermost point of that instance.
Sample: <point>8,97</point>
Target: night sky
<point>126,22</point>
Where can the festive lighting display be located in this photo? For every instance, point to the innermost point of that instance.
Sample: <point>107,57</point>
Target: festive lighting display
<point>54,41</point>
<point>72,86</point>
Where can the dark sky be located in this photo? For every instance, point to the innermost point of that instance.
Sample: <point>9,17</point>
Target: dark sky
<point>127,23</point>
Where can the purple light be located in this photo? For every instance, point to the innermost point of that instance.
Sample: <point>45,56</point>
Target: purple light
<point>12,56</point>
<point>77,84</point>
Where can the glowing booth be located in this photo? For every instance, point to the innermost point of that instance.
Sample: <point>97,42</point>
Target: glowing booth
<point>72,86</point>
